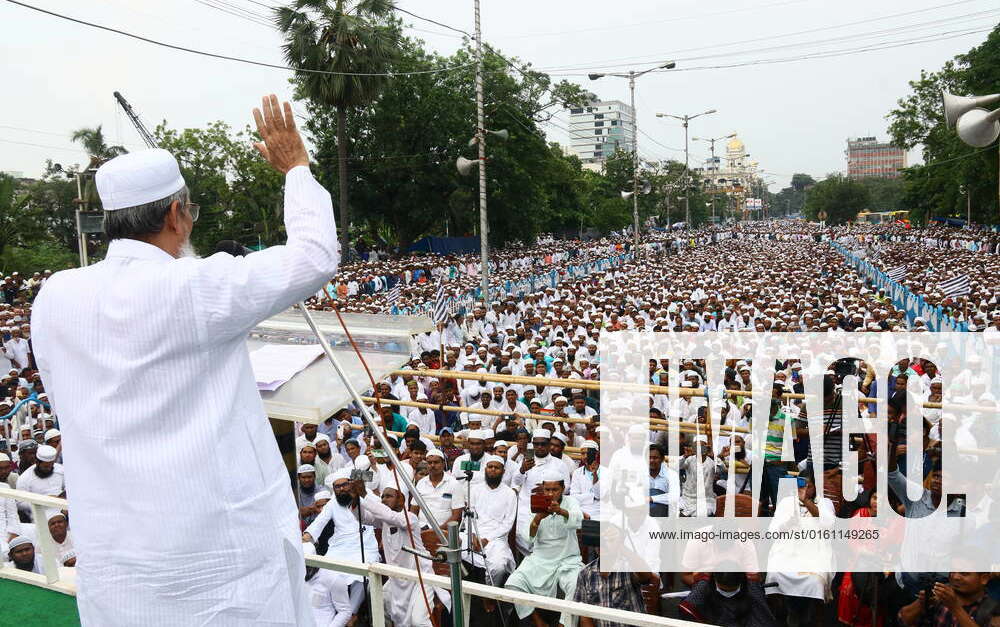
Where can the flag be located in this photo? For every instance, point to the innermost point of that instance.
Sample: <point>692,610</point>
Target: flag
<point>958,286</point>
<point>440,312</point>
<point>896,273</point>
<point>393,295</point>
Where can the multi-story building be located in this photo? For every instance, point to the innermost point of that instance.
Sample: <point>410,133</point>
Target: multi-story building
<point>597,130</point>
<point>868,157</point>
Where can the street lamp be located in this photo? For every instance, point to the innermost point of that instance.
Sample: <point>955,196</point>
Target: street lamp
<point>631,75</point>
<point>685,119</point>
<point>711,141</point>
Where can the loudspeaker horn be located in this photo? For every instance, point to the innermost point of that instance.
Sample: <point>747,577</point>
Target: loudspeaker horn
<point>955,106</point>
<point>502,134</point>
<point>626,195</point>
<point>979,127</point>
<point>646,187</point>
<point>465,165</point>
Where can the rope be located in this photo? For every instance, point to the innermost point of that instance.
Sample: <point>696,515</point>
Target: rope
<point>395,476</point>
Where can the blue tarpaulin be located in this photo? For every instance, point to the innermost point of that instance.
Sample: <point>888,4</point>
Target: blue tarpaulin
<point>445,245</point>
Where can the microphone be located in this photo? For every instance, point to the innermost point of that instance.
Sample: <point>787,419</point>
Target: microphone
<point>232,247</point>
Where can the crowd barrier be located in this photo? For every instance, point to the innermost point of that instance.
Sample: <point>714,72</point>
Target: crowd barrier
<point>519,288</point>
<point>61,579</point>
<point>902,297</point>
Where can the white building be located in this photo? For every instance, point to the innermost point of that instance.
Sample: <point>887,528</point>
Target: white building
<point>597,130</point>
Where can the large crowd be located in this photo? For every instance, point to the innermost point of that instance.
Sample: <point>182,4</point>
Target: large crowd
<point>519,467</point>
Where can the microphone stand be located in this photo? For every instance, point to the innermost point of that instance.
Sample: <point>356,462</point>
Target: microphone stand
<point>452,554</point>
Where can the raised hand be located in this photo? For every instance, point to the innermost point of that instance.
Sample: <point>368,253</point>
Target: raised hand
<point>282,146</point>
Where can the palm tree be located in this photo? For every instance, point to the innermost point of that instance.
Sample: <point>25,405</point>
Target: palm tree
<point>359,39</point>
<point>92,140</point>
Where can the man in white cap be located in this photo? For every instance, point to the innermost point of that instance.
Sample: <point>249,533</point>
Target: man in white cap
<point>121,345</point>
<point>494,506</point>
<point>45,476</point>
<point>23,555</point>
<point>476,445</point>
<point>525,475</point>
<point>554,562</point>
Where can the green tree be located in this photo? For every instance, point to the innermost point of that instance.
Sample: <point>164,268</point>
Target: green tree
<point>935,188</point>
<point>357,41</point>
<point>240,194</point>
<point>791,199</point>
<point>840,197</point>
<point>94,142</point>
<point>12,208</point>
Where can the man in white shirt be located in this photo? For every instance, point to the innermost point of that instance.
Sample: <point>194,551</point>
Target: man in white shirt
<point>444,495</point>
<point>585,485</point>
<point>44,477</point>
<point>525,474</point>
<point>157,321</point>
<point>494,506</point>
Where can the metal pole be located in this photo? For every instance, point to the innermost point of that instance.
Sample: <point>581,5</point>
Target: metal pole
<point>455,562</point>
<point>81,238</point>
<point>635,162</point>
<point>713,181</point>
<point>484,226</point>
<point>968,208</point>
<point>687,179</point>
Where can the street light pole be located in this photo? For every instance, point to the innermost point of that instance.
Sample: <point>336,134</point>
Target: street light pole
<point>686,119</point>
<point>711,141</point>
<point>484,225</point>
<point>631,76</point>
<point>635,164</point>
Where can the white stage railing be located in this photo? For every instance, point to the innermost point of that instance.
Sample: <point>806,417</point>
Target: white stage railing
<point>61,579</point>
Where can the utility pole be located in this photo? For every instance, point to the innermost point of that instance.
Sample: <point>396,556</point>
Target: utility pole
<point>635,164</point>
<point>631,76</point>
<point>685,120</point>
<point>484,225</point>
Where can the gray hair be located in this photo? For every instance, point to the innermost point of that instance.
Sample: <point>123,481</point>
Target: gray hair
<point>141,220</point>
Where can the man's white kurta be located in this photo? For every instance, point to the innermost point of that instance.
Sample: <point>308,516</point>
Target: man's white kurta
<point>182,509</point>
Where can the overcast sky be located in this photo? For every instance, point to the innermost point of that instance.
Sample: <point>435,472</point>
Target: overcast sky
<point>793,116</point>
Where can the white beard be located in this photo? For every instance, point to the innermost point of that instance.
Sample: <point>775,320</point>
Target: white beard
<point>187,250</point>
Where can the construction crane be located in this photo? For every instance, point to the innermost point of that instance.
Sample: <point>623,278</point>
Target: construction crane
<point>134,117</point>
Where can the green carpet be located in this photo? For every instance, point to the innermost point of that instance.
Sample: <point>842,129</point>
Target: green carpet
<point>30,606</point>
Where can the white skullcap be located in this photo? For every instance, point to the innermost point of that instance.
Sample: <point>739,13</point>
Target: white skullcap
<point>321,436</point>
<point>322,494</point>
<point>68,555</point>
<point>137,178</point>
<point>589,444</point>
<point>496,444</point>
<point>554,472</point>
<point>52,513</point>
<point>51,433</point>
<point>342,473</point>
<point>560,436</point>
<point>46,453</point>
<point>304,468</point>
<point>541,433</point>
<point>435,453</point>
<point>19,541</point>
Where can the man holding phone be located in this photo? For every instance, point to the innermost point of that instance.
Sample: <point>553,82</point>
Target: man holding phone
<point>554,562</point>
<point>526,478</point>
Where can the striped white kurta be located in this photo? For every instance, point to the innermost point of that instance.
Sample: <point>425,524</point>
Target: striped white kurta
<point>182,509</point>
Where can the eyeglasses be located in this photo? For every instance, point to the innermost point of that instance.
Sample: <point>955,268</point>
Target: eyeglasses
<point>194,209</point>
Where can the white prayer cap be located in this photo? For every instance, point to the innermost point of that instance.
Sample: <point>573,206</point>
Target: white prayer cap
<point>487,433</point>
<point>322,494</point>
<point>541,433</point>
<point>435,453</point>
<point>52,513</point>
<point>319,437</point>
<point>589,444</point>
<point>19,541</point>
<point>496,444</point>
<point>304,468</point>
<point>68,555</point>
<point>554,472</point>
<point>560,436</point>
<point>46,453</point>
<point>51,433</point>
<point>137,178</point>
<point>476,434</point>
<point>342,473</point>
